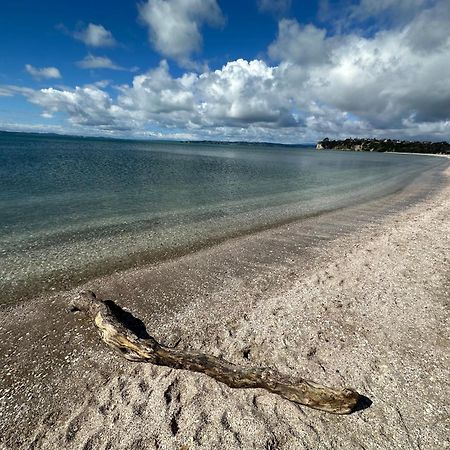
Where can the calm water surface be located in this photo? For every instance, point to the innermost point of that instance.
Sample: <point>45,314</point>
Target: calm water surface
<point>74,208</point>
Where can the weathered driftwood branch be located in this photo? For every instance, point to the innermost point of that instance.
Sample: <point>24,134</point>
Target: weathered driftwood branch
<point>127,335</point>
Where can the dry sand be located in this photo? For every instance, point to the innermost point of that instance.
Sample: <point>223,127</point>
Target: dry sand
<point>368,309</point>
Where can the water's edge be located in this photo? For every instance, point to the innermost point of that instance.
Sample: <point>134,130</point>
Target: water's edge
<point>413,192</point>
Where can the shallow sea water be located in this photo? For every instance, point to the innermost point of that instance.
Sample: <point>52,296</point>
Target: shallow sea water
<point>75,208</point>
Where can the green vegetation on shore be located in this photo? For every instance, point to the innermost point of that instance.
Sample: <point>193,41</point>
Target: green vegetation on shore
<point>384,145</point>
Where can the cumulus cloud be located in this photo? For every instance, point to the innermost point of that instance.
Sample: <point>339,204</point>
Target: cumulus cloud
<point>305,45</point>
<point>388,81</point>
<point>174,25</point>
<point>95,36</point>
<point>42,73</point>
<point>84,105</point>
<point>394,83</point>
<point>156,92</point>
<point>98,62</point>
<point>244,93</point>
<point>240,94</point>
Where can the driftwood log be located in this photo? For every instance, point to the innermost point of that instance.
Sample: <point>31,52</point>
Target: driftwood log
<point>126,334</point>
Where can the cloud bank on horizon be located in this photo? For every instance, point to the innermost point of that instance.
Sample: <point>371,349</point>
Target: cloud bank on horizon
<point>367,68</point>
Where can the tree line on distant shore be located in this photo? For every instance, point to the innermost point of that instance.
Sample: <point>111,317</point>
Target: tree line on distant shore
<point>384,145</point>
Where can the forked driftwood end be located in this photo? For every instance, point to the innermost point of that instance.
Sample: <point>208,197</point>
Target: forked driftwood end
<point>127,335</point>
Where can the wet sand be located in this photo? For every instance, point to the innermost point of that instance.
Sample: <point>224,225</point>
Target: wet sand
<point>356,297</point>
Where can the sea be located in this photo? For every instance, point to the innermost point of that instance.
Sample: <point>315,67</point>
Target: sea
<point>75,208</point>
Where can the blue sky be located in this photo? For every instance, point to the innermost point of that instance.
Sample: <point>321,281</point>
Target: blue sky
<point>275,70</point>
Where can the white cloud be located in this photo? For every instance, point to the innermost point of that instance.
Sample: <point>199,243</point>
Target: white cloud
<point>274,6</point>
<point>174,25</point>
<point>98,62</point>
<point>386,81</point>
<point>239,94</point>
<point>95,36</point>
<point>84,105</point>
<point>303,45</point>
<point>394,83</point>
<point>42,73</point>
<point>243,93</point>
<point>156,92</point>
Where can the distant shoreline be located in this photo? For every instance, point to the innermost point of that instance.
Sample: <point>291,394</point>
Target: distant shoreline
<point>385,146</point>
<point>153,140</point>
<point>325,144</point>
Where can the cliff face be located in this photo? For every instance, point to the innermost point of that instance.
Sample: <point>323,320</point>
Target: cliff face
<point>384,145</point>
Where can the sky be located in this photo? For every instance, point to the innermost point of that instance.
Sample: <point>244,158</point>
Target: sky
<point>290,71</point>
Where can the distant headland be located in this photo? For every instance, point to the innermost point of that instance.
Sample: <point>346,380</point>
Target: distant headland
<point>384,145</point>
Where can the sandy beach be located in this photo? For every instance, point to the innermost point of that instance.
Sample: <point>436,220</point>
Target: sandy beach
<point>356,297</point>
